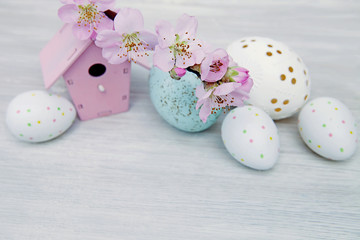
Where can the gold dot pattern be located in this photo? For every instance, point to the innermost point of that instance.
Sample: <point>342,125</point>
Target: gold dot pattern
<point>274,100</point>
<point>282,76</point>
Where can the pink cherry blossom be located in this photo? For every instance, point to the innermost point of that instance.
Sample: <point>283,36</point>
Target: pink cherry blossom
<point>178,46</point>
<point>129,41</point>
<point>87,16</point>
<point>215,65</point>
<point>220,96</point>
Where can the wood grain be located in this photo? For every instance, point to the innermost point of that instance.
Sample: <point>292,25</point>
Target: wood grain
<point>132,176</point>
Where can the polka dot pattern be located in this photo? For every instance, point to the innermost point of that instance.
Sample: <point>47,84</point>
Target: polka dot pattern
<point>291,84</point>
<point>30,116</point>
<point>328,130</point>
<point>250,128</point>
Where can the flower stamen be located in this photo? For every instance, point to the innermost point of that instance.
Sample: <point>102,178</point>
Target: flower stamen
<point>89,15</point>
<point>134,46</point>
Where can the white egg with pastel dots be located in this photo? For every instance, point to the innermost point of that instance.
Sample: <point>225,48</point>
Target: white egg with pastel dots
<point>328,128</point>
<point>38,116</point>
<point>281,79</point>
<point>251,137</point>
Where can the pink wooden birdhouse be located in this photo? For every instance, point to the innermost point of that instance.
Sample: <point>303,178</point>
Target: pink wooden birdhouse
<point>97,87</point>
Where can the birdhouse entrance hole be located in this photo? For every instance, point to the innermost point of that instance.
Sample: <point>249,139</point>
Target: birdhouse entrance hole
<point>97,70</point>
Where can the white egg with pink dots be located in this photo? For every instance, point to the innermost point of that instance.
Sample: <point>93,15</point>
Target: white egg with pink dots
<point>251,137</point>
<point>328,128</point>
<point>38,116</point>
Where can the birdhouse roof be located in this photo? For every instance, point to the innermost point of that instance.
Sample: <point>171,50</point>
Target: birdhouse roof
<point>60,53</point>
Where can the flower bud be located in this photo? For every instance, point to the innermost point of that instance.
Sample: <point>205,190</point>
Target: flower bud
<point>237,74</point>
<point>177,73</point>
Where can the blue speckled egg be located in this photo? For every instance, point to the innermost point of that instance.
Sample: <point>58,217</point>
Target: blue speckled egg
<point>175,100</point>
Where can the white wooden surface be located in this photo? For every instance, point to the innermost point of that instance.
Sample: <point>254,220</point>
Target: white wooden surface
<point>132,176</point>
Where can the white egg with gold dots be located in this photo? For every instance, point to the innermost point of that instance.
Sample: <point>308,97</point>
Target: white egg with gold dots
<point>328,128</point>
<point>281,79</point>
<point>38,116</point>
<point>251,137</point>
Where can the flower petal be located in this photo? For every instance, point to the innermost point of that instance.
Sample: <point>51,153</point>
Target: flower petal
<point>205,66</point>
<point>186,26</point>
<point>184,61</point>
<point>112,54</point>
<point>163,59</point>
<point>82,32</point>
<point>205,110</point>
<point>108,38</point>
<point>226,88</point>
<point>246,87</point>
<point>166,33</point>
<point>128,20</point>
<point>148,38</point>
<point>104,5</point>
<point>201,93</point>
<point>105,23</point>
<point>238,98</point>
<point>68,13</point>
<point>198,49</point>
<point>81,2</point>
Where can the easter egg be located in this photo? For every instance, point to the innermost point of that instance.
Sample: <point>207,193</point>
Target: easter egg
<point>328,128</point>
<point>175,100</point>
<point>281,79</point>
<point>251,137</point>
<point>38,116</point>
